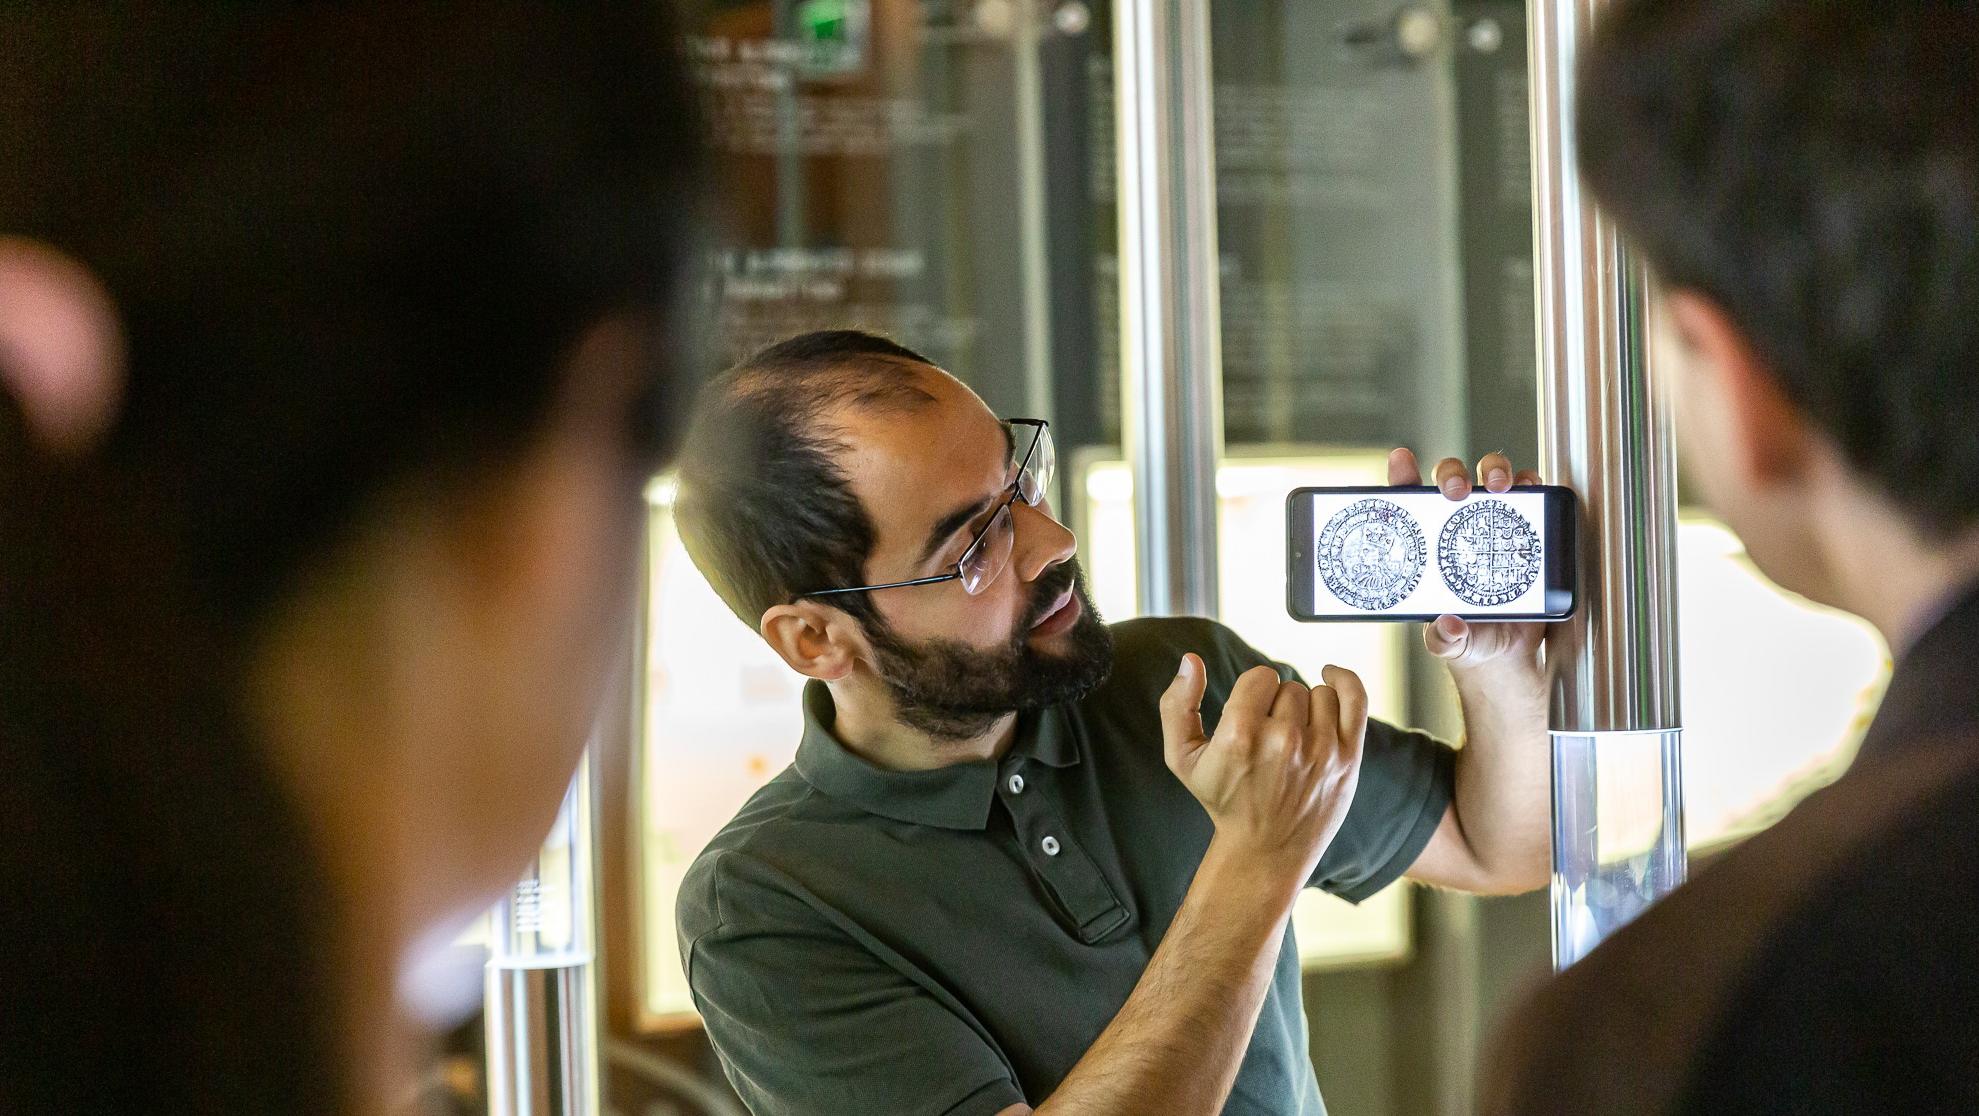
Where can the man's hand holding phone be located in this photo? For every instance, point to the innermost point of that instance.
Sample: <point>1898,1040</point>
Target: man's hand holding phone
<point>1451,638</point>
<point>1499,548</point>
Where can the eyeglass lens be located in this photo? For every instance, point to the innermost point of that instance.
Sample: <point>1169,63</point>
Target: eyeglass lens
<point>985,561</point>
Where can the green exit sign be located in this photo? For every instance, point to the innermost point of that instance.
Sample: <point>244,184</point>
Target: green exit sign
<point>833,33</point>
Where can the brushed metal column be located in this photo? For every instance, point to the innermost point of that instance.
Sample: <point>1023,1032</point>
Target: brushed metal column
<point>1171,376</point>
<point>541,1022</point>
<point>1604,431</point>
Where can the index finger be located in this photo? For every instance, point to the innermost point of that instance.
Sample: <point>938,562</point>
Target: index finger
<point>1250,699</point>
<point>1403,469</point>
<point>1323,715</point>
<point>1494,472</point>
<point>1453,478</point>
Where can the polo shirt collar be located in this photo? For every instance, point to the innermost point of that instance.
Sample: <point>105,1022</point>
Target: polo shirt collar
<point>958,796</point>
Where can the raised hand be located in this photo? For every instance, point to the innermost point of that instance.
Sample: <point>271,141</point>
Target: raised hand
<point>1279,773</point>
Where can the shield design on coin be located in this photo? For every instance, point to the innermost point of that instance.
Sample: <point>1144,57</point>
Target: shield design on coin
<point>1371,554</point>
<point>1488,553</point>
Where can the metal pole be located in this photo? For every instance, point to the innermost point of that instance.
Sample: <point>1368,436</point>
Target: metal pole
<point>1170,332</point>
<point>542,1016</point>
<point>1616,727</point>
<point>1027,85</point>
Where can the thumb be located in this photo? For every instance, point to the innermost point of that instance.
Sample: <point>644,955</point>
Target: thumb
<point>1181,713</point>
<point>1448,638</point>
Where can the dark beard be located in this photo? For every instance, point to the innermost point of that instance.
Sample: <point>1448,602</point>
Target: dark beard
<point>952,691</point>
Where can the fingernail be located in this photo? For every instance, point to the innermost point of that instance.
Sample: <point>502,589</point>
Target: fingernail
<point>1452,487</point>
<point>1499,478</point>
<point>1187,669</point>
<point>1451,626</point>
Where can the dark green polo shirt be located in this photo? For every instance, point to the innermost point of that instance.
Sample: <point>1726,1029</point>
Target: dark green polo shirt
<point>951,942</point>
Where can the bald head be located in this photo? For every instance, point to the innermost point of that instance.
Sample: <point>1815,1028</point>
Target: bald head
<point>766,508</point>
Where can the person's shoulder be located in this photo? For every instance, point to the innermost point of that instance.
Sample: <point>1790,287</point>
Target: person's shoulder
<point>1842,916</point>
<point>1859,997</point>
<point>1887,936</point>
<point>1642,999</point>
<point>737,859</point>
<point>1150,649</point>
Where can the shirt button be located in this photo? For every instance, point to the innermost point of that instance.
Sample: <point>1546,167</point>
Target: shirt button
<point>1049,845</point>
<point>1016,784</point>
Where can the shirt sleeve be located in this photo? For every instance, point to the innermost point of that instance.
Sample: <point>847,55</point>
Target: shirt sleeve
<point>808,1022</point>
<point>1407,779</point>
<point>1406,783</point>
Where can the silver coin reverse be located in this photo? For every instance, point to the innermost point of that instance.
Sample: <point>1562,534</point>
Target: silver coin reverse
<point>1488,553</point>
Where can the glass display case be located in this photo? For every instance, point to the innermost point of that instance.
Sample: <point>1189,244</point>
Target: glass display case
<point>943,171</point>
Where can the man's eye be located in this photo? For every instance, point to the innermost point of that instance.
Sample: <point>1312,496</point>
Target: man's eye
<point>965,538</point>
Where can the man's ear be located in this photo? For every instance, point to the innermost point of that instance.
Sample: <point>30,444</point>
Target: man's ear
<point>817,641</point>
<point>1769,437</point>
<point>61,347</point>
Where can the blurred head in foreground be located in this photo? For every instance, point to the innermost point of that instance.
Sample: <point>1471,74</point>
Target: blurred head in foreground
<point>336,345</point>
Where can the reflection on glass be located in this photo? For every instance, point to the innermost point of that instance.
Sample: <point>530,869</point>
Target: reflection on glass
<point>1618,836</point>
<point>884,167</point>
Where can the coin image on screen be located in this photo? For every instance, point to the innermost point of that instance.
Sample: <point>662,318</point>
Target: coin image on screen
<point>1488,553</point>
<point>1371,554</point>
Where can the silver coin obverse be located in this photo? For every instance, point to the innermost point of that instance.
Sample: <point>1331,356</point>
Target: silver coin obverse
<point>1488,553</point>
<point>1371,554</point>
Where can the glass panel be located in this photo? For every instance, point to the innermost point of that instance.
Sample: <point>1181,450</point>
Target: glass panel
<point>885,167</point>
<point>1339,224</point>
<point>721,718</point>
<point>1618,835</point>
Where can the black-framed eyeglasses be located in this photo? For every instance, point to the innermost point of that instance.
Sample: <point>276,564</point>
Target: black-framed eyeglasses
<point>989,553</point>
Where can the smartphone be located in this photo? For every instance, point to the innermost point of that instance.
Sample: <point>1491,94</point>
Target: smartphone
<point>1411,553</point>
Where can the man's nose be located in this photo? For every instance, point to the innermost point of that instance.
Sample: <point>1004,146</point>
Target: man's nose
<point>1042,542</point>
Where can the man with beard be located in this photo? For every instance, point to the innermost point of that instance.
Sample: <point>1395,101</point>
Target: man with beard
<point>1010,867</point>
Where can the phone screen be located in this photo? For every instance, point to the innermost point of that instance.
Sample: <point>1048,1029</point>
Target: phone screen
<point>1417,553</point>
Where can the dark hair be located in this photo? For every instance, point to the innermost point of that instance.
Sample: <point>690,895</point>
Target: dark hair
<point>351,247</point>
<point>763,508</point>
<point>1814,169</point>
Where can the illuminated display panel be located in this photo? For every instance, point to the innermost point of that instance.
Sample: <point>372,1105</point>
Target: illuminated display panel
<point>1776,690</point>
<point>722,715</point>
